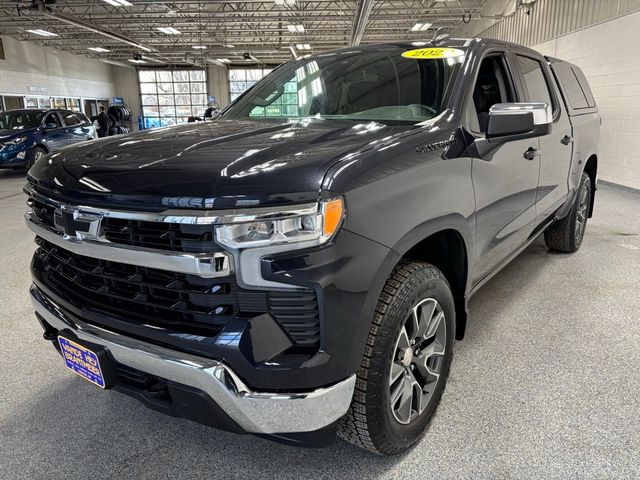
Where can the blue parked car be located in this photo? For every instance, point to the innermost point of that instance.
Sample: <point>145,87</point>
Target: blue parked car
<point>27,135</point>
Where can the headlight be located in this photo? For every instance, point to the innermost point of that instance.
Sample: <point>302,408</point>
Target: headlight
<point>15,141</point>
<point>316,228</point>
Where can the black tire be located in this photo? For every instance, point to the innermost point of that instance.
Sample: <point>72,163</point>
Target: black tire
<point>35,154</point>
<point>566,235</point>
<point>370,422</point>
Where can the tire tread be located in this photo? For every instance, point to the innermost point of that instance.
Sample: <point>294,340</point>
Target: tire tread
<point>354,427</point>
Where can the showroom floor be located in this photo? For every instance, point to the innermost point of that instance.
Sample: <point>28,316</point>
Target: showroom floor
<point>545,385</point>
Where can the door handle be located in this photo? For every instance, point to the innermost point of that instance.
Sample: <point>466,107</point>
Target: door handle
<point>566,140</point>
<point>531,153</point>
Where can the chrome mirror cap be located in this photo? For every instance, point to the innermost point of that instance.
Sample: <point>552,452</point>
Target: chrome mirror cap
<point>542,113</point>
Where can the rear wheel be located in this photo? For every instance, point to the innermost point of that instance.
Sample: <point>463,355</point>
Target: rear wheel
<point>406,361</point>
<point>36,154</point>
<point>566,235</point>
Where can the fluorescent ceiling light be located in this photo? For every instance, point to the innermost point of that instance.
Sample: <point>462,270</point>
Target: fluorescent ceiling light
<point>285,2</point>
<point>419,44</point>
<point>199,47</point>
<point>223,60</point>
<point>135,60</point>
<point>295,28</point>
<point>169,30</point>
<point>43,33</point>
<point>420,27</point>
<point>228,45</point>
<point>303,46</point>
<point>118,3</point>
<point>99,49</point>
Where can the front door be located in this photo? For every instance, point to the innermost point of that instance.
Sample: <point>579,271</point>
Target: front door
<point>504,181</point>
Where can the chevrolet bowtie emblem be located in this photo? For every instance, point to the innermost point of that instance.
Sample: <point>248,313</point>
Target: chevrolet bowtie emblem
<point>74,224</point>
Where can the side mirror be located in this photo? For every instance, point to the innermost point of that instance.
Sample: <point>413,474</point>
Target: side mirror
<point>514,121</point>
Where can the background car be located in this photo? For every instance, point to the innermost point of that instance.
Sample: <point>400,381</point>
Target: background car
<point>27,135</point>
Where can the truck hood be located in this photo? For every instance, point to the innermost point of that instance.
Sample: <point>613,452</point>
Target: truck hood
<point>219,164</point>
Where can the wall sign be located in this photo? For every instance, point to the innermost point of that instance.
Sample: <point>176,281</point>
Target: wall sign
<point>37,89</point>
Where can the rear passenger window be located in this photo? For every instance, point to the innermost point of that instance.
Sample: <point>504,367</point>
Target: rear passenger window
<point>70,119</point>
<point>570,85</point>
<point>534,80</point>
<point>585,86</point>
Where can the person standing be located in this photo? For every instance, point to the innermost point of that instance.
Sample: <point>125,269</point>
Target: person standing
<point>103,123</point>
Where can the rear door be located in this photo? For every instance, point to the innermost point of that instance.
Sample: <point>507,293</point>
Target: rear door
<point>76,130</point>
<point>53,131</point>
<point>556,147</point>
<point>504,181</point>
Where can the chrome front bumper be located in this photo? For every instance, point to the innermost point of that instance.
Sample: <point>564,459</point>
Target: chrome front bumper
<point>254,412</point>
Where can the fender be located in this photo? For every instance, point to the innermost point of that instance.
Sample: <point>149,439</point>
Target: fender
<point>452,221</point>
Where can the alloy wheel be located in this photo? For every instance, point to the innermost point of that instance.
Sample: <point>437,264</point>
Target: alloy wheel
<point>417,360</point>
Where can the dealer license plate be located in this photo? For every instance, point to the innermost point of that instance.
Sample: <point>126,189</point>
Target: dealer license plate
<point>82,361</point>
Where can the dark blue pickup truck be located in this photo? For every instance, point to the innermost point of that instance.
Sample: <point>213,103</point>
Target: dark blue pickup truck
<point>27,135</point>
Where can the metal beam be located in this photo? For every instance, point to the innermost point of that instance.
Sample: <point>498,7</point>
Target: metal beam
<point>363,10</point>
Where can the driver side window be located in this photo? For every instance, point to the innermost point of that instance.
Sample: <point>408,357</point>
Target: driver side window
<point>52,118</point>
<point>493,85</point>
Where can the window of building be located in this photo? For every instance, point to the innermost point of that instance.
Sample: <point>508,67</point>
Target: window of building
<point>171,97</point>
<point>73,104</point>
<point>241,79</point>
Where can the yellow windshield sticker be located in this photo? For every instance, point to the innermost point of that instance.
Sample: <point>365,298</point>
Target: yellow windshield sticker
<point>433,53</point>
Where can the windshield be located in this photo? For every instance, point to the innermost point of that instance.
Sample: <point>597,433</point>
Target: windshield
<point>20,120</point>
<point>378,85</point>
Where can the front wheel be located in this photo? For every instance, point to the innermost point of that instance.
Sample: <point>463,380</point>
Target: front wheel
<point>36,154</point>
<point>406,361</point>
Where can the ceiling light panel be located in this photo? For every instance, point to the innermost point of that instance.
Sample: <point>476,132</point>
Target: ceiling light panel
<point>99,49</point>
<point>43,33</point>
<point>420,27</point>
<point>169,30</point>
<point>295,28</point>
<point>118,3</point>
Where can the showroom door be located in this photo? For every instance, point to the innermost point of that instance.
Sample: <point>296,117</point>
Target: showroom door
<point>504,181</point>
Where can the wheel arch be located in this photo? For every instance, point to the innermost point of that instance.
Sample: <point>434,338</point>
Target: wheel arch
<point>591,169</point>
<point>444,243</point>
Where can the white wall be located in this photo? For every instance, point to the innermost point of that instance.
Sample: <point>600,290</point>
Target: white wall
<point>609,55</point>
<point>60,73</point>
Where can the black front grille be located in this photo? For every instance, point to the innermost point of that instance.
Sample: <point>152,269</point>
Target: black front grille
<point>187,304</point>
<point>44,212</point>
<point>165,236</point>
<point>183,303</point>
<point>177,237</point>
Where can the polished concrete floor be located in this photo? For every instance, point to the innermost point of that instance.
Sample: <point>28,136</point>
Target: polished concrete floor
<point>545,385</point>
